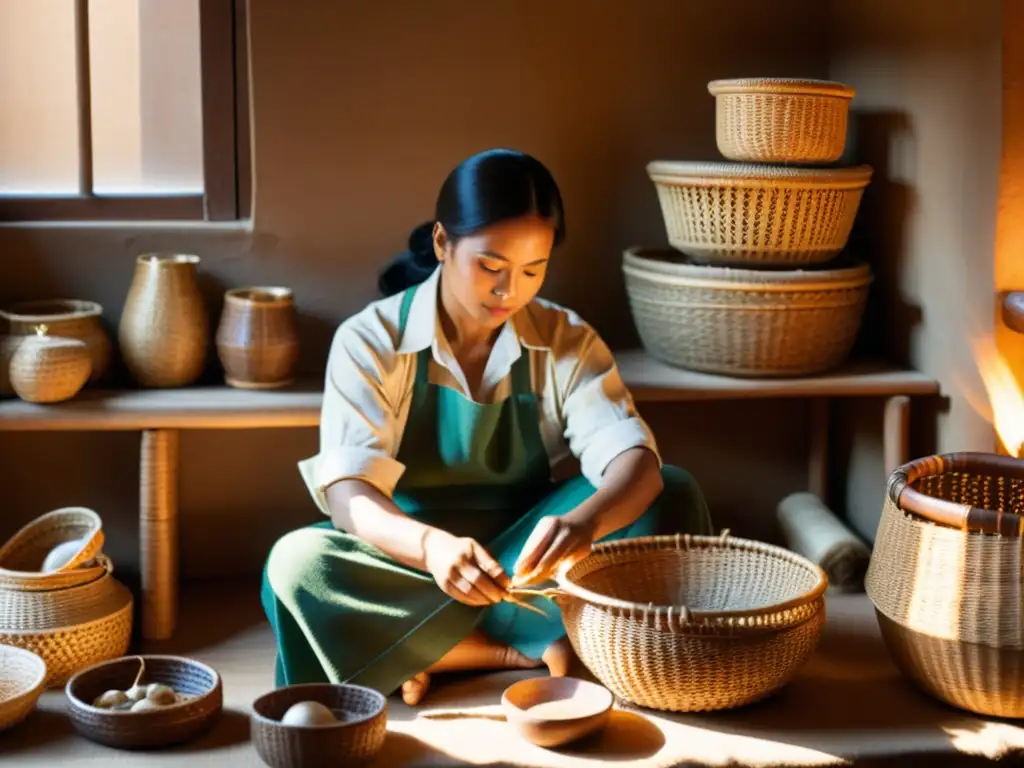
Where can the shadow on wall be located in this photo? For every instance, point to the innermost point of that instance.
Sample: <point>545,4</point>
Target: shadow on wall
<point>885,141</point>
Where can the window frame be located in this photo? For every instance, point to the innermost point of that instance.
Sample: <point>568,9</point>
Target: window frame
<point>226,191</point>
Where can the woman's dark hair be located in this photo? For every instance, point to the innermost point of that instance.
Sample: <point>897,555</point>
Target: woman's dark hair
<point>485,189</point>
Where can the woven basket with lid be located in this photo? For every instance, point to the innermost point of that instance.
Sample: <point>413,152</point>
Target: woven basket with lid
<point>692,623</point>
<point>736,214</point>
<point>744,322</point>
<point>946,579</point>
<point>781,120</point>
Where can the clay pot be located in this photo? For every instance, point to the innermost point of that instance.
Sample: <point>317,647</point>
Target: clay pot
<point>66,318</point>
<point>49,369</point>
<point>257,339</point>
<point>164,328</point>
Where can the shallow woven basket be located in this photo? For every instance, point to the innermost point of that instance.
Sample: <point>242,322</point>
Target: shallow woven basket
<point>356,738</point>
<point>743,322</point>
<point>780,120</point>
<point>168,725</point>
<point>70,628</point>
<point>761,215</point>
<point>692,623</point>
<point>22,675</point>
<point>946,579</point>
<point>23,554</point>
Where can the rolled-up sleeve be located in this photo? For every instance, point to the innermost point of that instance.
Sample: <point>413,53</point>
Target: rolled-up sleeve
<point>358,423</point>
<point>601,420</point>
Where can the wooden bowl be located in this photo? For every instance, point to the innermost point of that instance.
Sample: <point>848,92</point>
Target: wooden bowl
<point>22,681</point>
<point>551,711</point>
<point>150,729</point>
<point>357,736</point>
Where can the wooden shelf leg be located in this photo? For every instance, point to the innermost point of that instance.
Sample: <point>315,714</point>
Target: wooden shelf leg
<point>896,432</point>
<point>158,532</point>
<point>817,476</point>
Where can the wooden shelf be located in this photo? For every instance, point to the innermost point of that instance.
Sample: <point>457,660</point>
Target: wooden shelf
<point>222,407</point>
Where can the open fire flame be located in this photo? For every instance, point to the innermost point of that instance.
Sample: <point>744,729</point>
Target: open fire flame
<point>1006,400</point>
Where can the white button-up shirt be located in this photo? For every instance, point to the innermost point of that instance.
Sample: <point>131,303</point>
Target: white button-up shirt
<point>584,406</point>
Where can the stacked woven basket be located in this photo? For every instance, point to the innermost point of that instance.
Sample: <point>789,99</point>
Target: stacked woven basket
<point>755,282</point>
<point>71,615</point>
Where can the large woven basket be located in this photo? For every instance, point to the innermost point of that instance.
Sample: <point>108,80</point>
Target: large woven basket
<point>22,675</point>
<point>760,215</point>
<point>692,623</point>
<point>946,579</point>
<point>743,322</point>
<point>23,554</point>
<point>72,627</point>
<point>780,120</point>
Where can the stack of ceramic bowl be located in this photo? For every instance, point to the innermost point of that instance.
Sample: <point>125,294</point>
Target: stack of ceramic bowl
<point>755,282</point>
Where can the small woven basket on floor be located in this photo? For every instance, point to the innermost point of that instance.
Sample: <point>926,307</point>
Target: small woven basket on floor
<point>744,322</point>
<point>778,120</point>
<point>946,579</point>
<point>758,215</point>
<point>22,678</point>
<point>692,623</point>
<point>23,554</point>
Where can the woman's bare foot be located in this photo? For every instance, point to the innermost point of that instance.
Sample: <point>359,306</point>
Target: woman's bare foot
<point>559,657</point>
<point>476,652</point>
<point>415,688</point>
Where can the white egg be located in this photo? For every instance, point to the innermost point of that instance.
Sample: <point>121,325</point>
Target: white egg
<point>161,694</point>
<point>308,713</point>
<point>110,699</point>
<point>136,692</point>
<point>60,555</point>
<point>144,705</point>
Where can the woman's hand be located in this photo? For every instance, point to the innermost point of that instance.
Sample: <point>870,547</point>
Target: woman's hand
<point>464,570</point>
<point>555,540</point>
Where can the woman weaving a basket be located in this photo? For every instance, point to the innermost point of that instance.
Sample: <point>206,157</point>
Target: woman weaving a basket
<point>445,406</point>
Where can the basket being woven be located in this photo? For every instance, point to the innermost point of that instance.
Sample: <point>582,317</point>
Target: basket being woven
<point>779,120</point>
<point>761,215</point>
<point>744,322</point>
<point>947,586</point>
<point>692,623</point>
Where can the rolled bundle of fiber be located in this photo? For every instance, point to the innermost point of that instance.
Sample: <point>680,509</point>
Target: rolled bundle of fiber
<point>811,529</point>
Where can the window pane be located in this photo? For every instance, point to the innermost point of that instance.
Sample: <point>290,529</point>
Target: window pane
<point>38,97</point>
<point>146,96</point>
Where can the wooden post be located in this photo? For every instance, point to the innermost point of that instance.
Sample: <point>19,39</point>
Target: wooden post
<point>158,532</point>
<point>896,432</point>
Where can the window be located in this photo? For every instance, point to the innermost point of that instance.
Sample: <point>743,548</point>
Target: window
<point>123,110</point>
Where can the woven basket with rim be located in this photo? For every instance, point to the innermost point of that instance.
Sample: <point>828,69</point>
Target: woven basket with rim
<point>692,623</point>
<point>23,554</point>
<point>946,579</point>
<point>199,683</point>
<point>758,215</point>
<point>359,734</point>
<point>71,627</point>
<point>744,322</point>
<point>780,120</point>
<point>22,678</point>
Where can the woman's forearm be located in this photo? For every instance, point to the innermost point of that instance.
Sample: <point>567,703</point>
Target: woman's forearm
<point>360,509</point>
<point>630,485</point>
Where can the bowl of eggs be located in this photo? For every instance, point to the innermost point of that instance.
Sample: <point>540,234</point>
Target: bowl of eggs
<point>316,724</point>
<point>144,702</point>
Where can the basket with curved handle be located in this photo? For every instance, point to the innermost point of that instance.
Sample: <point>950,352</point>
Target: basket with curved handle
<point>901,492</point>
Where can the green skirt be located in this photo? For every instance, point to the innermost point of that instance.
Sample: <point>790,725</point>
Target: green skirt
<point>342,611</point>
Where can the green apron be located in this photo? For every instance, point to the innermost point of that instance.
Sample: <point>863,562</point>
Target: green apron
<point>343,611</point>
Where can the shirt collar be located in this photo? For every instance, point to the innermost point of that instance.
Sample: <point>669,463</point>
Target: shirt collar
<point>423,326</point>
